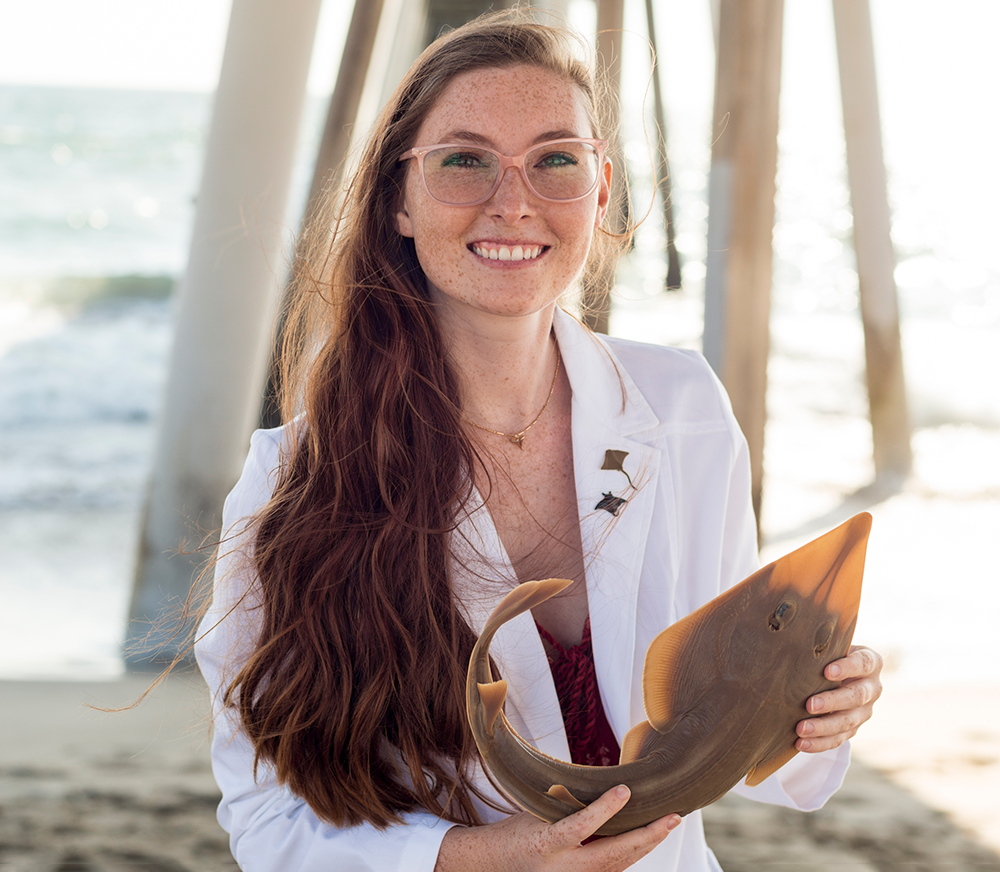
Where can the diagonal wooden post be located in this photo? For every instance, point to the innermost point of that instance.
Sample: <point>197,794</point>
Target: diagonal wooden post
<point>876,259</point>
<point>346,98</point>
<point>598,283</point>
<point>342,112</point>
<point>741,212</point>
<point>673,280</point>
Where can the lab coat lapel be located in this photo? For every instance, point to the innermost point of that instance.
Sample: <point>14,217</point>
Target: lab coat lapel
<point>603,419</point>
<point>609,413</point>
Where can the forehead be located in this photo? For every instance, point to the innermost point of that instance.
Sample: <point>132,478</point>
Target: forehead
<point>508,107</point>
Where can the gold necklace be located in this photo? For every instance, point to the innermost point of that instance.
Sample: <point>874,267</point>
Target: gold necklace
<point>518,438</point>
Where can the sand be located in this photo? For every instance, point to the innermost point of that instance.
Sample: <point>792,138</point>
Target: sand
<point>89,791</point>
<point>921,795</point>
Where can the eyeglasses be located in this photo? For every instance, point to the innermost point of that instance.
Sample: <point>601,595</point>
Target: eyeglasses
<point>465,175</point>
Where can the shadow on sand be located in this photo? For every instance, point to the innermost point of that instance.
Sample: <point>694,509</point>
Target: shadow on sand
<point>870,825</point>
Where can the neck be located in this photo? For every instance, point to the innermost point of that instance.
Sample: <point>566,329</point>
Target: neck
<point>505,366</point>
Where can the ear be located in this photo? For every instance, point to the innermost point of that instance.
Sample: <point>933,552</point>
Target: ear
<point>603,194</point>
<point>404,225</point>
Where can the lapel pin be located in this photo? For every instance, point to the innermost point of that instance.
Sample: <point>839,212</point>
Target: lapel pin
<point>614,459</point>
<point>610,503</point>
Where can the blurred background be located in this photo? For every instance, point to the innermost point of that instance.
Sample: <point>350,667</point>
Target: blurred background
<point>104,110</point>
<point>105,107</point>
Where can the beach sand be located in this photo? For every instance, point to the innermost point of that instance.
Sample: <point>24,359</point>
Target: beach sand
<point>91,791</point>
<point>920,796</point>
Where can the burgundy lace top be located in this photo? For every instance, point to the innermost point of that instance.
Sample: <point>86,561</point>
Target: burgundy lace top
<point>591,740</point>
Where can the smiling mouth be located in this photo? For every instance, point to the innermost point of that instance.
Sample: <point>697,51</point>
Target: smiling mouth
<point>508,252</point>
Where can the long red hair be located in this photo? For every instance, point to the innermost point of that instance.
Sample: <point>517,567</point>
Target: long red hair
<point>354,693</point>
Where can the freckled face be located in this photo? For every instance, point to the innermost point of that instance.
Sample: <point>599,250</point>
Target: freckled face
<point>509,109</point>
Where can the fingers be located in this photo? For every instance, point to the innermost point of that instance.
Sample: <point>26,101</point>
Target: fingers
<point>859,662</point>
<point>614,852</point>
<point>587,821</point>
<point>620,852</point>
<point>849,707</point>
<point>845,708</point>
<point>859,673</point>
<point>523,843</point>
<point>829,731</point>
<point>858,693</point>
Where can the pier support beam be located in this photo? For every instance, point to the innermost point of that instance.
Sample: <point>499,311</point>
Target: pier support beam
<point>876,258</point>
<point>598,283</point>
<point>741,212</point>
<point>335,143</point>
<point>224,308</point>
<point>663,180</point>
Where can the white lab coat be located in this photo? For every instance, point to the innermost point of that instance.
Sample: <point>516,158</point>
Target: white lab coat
<point>685,534</point>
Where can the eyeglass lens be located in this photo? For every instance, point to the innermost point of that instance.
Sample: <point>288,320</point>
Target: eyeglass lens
<point>556,171</point>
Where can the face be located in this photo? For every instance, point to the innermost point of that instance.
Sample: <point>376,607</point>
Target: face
<point>510,110</point>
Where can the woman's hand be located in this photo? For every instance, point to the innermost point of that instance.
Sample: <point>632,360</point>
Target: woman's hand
<point>841,711</point>
<point>523,843</point>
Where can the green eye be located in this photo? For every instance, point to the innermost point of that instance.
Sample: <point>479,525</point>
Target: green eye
<point>557,159</point>
<point>462,159</point>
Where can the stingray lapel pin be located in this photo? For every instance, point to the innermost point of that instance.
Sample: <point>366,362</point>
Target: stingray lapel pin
<point>614,459</point>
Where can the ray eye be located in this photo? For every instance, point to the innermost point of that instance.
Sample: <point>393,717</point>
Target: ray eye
<point>822,640</point>
<point>781,616</point>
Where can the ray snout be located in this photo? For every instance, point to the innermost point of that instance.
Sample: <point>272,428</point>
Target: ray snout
<point>828,571</point>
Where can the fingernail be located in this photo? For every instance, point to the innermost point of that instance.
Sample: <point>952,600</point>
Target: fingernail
<point>622,792</point>
<point>806,729</point>
<point>803,744</point>
<point>673,822</point>
<point>816,704</point>
<point>833,671</point>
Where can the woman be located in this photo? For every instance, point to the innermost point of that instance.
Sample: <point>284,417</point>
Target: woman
<point>453,428</point>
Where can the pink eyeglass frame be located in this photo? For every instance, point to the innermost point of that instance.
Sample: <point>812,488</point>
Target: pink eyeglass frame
<point>506,161</point>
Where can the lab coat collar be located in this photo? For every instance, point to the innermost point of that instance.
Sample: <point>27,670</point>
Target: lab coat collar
<point>608,413</point>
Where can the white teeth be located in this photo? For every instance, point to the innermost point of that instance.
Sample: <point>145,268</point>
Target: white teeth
<point>518,252</point>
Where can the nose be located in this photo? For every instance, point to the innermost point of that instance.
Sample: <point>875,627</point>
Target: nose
<point>513,199</point>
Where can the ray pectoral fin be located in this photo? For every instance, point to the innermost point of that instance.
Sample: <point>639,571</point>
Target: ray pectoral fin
<point>492,696</point>
<point>670,678</point>
<point>636,744</point>
<point>560,792</point>
<point>768,767</point>
<point>828,571</point>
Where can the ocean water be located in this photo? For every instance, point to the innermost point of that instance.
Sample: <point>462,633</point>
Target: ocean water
<point>97,196</point>
<point>100,188</point>
<point>97,182</point>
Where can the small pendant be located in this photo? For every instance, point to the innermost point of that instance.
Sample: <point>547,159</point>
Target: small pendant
<point>518,440</point>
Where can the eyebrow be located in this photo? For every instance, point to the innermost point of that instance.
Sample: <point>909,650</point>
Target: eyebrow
<point>479,139</point>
